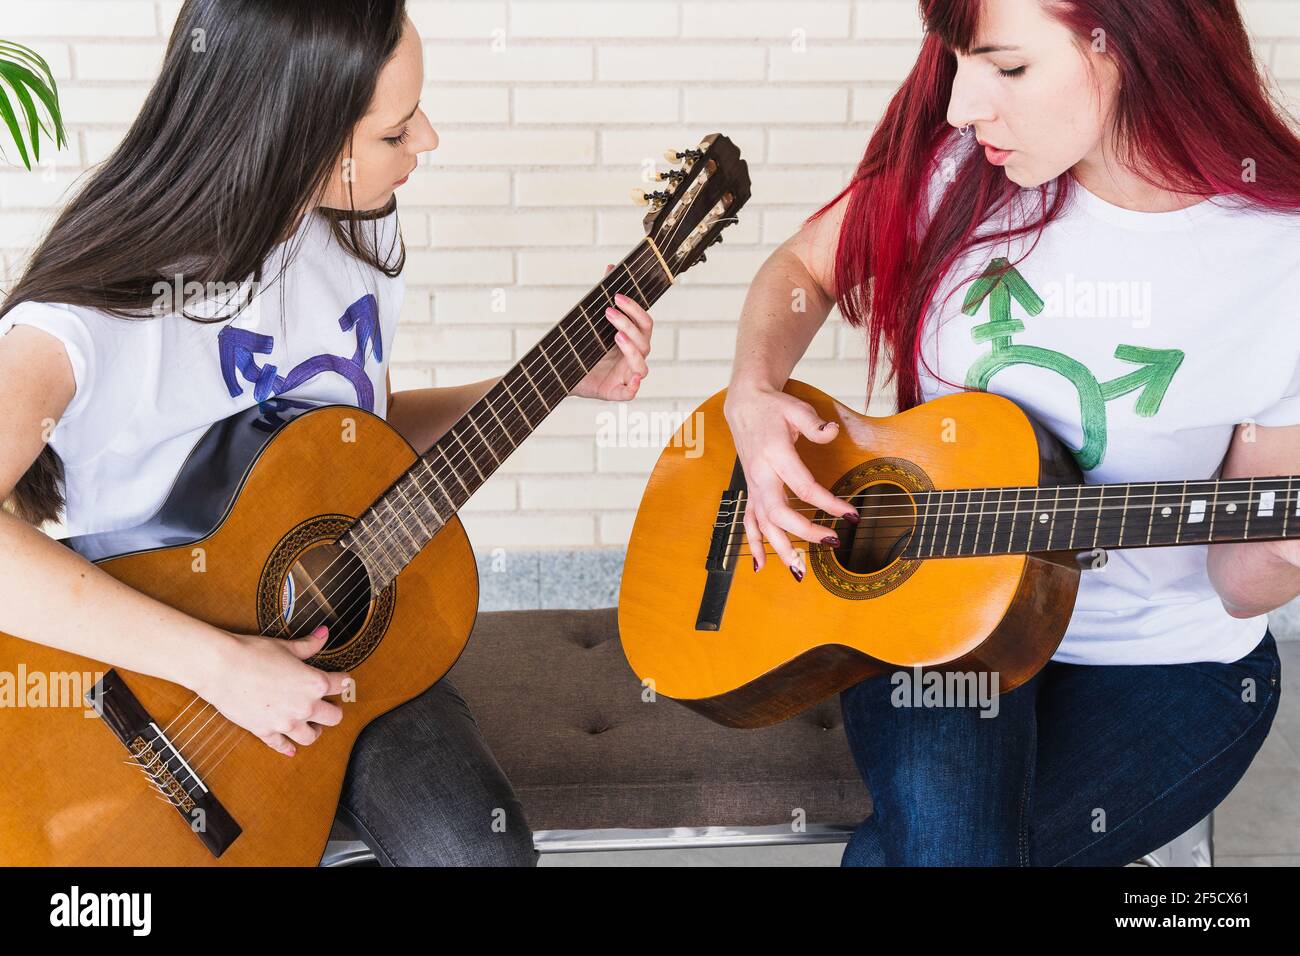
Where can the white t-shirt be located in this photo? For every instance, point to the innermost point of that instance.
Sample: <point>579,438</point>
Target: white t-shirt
<point>1190,323</point>
<point>148,389</point>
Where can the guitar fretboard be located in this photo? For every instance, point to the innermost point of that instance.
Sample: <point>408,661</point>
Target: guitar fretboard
<point>1011,520</point>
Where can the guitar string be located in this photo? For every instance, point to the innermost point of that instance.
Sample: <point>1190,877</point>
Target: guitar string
<point>1142,500</point>
<point>810,547</point>
<point>1108,523</point>
<point>987,513</point>
<point>393,538</point>
<point>999,512</point>
<point>650,266</point>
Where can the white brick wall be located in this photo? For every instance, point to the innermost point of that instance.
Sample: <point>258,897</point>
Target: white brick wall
<point>542,139</point>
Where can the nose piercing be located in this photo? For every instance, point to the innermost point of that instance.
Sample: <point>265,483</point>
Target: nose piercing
<point>964,130</point>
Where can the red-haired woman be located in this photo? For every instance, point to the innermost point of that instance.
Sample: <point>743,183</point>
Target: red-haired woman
<point>1127,161</point>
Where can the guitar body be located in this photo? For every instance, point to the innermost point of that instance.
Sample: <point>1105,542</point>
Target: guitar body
<point>768,646</point>
<point>255,496</point>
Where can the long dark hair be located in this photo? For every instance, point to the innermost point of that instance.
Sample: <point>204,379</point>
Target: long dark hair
<point>239,136</point>
<point>1192,104</point>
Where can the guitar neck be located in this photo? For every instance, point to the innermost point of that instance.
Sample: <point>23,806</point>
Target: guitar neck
<point>416,506</point>
<point>983,521</point>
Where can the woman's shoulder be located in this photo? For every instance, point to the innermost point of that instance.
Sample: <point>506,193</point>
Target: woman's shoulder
<point>74,325</point>
<point>78,330</point>
<point>1255,233</point>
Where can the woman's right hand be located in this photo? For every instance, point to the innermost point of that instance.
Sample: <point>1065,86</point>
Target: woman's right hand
<point>264,685</point>
<point>765,423</point>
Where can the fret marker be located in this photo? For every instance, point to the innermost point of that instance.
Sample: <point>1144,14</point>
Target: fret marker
<point>1166,511</point>
<point>1232,507</point>
<point>1198,511</point>
<point>1266,504</point>
<point>1042,517</point>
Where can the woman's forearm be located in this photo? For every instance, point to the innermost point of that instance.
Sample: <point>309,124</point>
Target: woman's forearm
<point>1251,578</point>
<point>51,595</point>
<point>782,312</point>
<point>423,415</point>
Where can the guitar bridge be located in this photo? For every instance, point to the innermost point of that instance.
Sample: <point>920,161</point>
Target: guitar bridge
<point>161,761</point>
<point>728,526</point>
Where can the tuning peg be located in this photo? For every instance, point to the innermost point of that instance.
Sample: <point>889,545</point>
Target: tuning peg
<point>686,156</point>
<point>673,176</point>
<point>641,197</point>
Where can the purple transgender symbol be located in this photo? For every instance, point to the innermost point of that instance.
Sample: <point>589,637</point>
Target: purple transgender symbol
<point>238,347</point>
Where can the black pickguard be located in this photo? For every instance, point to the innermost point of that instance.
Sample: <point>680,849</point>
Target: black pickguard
<point>206,486</point>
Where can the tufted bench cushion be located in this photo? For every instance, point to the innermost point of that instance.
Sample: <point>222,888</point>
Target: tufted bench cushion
<point>563,713</point>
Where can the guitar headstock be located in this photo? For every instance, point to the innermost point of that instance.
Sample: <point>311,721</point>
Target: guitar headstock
<point>700,200</point>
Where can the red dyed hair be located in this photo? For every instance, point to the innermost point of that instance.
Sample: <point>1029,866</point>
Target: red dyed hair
<point>1192,104</point>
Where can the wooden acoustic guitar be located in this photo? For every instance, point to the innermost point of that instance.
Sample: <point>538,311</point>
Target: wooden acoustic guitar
<point>284,517</point>
<point>974,528</point>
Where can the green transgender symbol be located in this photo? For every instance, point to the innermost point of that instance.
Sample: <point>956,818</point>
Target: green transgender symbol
<point>1000,283</point>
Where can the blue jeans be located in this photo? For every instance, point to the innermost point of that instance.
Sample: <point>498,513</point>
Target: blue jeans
<point>1081,766</point>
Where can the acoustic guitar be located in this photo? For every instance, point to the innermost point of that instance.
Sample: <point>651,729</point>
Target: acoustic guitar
<point>284,517</point>
<point>974,527</point>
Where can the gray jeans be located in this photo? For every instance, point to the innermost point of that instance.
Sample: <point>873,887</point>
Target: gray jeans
<point>423,789</point>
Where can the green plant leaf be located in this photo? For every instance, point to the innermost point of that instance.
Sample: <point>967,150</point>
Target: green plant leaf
<point>26,73</point>
<point>7,114</point>
<point>21,79</point>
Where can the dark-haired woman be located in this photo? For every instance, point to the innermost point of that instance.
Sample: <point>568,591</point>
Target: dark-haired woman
<point>1129,166</point>
<point>242,242</point>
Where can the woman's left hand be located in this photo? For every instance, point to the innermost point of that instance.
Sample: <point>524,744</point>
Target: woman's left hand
<point>618,374</point>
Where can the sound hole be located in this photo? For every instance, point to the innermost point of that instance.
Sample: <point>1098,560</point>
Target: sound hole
<point>887,519</point>
<point>326,585</point>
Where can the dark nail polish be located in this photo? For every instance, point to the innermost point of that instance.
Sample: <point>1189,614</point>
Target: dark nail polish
<point>852,517</point>
<point>798,575</point>
<point>830,539</point>
<point>756,564</point>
